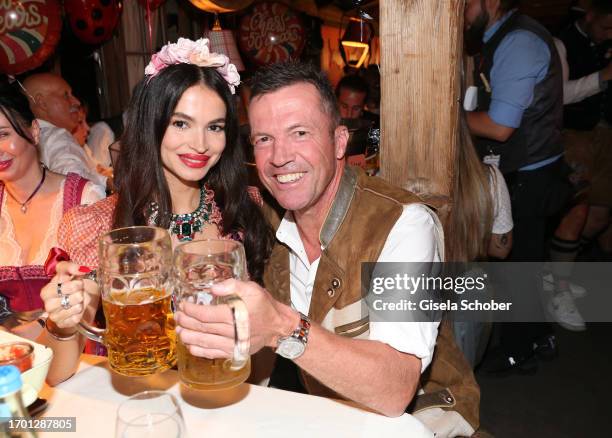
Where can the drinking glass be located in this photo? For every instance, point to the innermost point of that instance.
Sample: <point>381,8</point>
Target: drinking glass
<point>197,266</point>
<point>134,275</point>
<point>150,414</point>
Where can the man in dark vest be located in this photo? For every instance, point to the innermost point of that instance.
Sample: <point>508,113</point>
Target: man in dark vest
<point>518,128</point>
<point>313,313</point>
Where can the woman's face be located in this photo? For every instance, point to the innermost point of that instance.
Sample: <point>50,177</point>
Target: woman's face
<point>195,137</point>
<point>17,155</point>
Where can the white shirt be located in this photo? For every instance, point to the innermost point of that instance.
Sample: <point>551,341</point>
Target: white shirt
<point>413,238</point>
<point>100,137</point>
<point>502,210</point>
<point>578,89</point>
<point>62,154</point>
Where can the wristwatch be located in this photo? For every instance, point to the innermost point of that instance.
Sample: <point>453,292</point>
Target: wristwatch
<point>294,345</point>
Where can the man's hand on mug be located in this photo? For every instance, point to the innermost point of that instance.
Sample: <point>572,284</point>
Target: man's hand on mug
<point>67,295</point>
<point>208,331</point>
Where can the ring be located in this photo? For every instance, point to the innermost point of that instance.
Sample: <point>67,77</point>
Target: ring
<point>59,289</point>
<point>65,302</point>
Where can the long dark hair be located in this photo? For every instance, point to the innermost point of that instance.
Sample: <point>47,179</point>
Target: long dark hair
<point>15,107</point>
<point>139,175</point>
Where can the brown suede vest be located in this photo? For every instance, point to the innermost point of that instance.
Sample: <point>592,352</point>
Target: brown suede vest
<point>355,231</point>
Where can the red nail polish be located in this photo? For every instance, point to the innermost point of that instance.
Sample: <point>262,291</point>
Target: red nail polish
<point>84,269</point>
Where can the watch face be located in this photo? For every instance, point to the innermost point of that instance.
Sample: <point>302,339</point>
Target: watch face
<point>291,348</point>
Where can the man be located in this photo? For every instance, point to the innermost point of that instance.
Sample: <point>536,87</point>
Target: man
<point>315,267</point>
<point>585,53</point>
<point>518,128</point>
<point>352,93</point>
<point>58,113</point>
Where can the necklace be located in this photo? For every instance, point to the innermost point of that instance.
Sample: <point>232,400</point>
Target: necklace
<point>184,226</point>
<point>24,205</point>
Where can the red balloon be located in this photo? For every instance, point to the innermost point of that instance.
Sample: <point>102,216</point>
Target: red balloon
<point>93,21</point>
<point>29,33</point>
<point>271,32</point>
<point>153,4</point>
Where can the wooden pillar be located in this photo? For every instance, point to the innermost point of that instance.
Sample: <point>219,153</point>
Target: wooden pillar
<point>421,53</point>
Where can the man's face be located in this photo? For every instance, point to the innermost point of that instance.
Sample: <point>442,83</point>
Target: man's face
<point>599,27</point>
<point>296,153</point>
<point>351,103</point>
<point>60,107</point>
<point>475,23</point>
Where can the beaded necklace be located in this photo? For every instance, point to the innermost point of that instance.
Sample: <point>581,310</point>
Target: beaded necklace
<point>184,226</point>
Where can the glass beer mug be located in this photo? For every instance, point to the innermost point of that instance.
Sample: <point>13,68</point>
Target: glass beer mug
<point>134,277</point>
<point>198,265</point>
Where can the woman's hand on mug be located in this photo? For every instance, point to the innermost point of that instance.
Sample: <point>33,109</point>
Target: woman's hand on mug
<point>67,296</point>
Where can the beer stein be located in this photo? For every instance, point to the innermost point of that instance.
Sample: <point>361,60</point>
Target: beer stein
<point>197,266</point>
<point>134,277</point>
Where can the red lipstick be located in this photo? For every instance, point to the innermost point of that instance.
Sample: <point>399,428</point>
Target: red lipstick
<point>5,164</point>
<point>195,161</point>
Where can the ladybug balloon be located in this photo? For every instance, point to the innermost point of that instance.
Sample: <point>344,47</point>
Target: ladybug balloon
<point>93,21</point>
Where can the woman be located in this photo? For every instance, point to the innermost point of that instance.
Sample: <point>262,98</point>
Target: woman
<point>479,228</point>
<point>180,161</point>
<point>480,225</point>
<point>32,202</point>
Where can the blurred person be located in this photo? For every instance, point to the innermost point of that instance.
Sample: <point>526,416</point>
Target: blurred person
<point>585,52</point>
<point>518,128</point>
<point>352,93</point>
<point>58,114</point>
<point>479,228</point>
<point>32,203</point>
<point>98,156</point>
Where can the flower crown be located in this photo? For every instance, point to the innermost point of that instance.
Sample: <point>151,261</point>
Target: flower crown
<point>185,51</point>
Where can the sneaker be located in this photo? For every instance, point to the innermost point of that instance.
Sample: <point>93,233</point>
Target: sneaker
<point>562,308</point>
<point>548,285</point>
<point>546,348</point>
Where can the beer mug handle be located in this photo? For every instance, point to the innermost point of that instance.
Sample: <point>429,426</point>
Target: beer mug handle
<point>90,332</point>
<point>242,342</point>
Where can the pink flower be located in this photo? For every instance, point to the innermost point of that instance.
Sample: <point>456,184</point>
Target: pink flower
<point>182,49</point>
<point>185,51</point>
<point>207,59</point>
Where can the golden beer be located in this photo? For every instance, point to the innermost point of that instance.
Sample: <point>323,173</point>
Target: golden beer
<point>209,374</point>
<point>140,335</point>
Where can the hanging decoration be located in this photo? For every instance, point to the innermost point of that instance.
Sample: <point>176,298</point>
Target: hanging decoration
<point>93,21</point>
<point>271,32</point>
<point>29,33</point>
<point>221,6</point>
<point>355,43</point>
<point>151,4</point>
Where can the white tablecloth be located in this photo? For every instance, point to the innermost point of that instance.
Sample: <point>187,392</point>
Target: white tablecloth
<point>94,393</point>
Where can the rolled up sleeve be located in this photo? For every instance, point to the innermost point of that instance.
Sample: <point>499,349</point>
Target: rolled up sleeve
<point>414,238</point>
<point>521,61</point>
